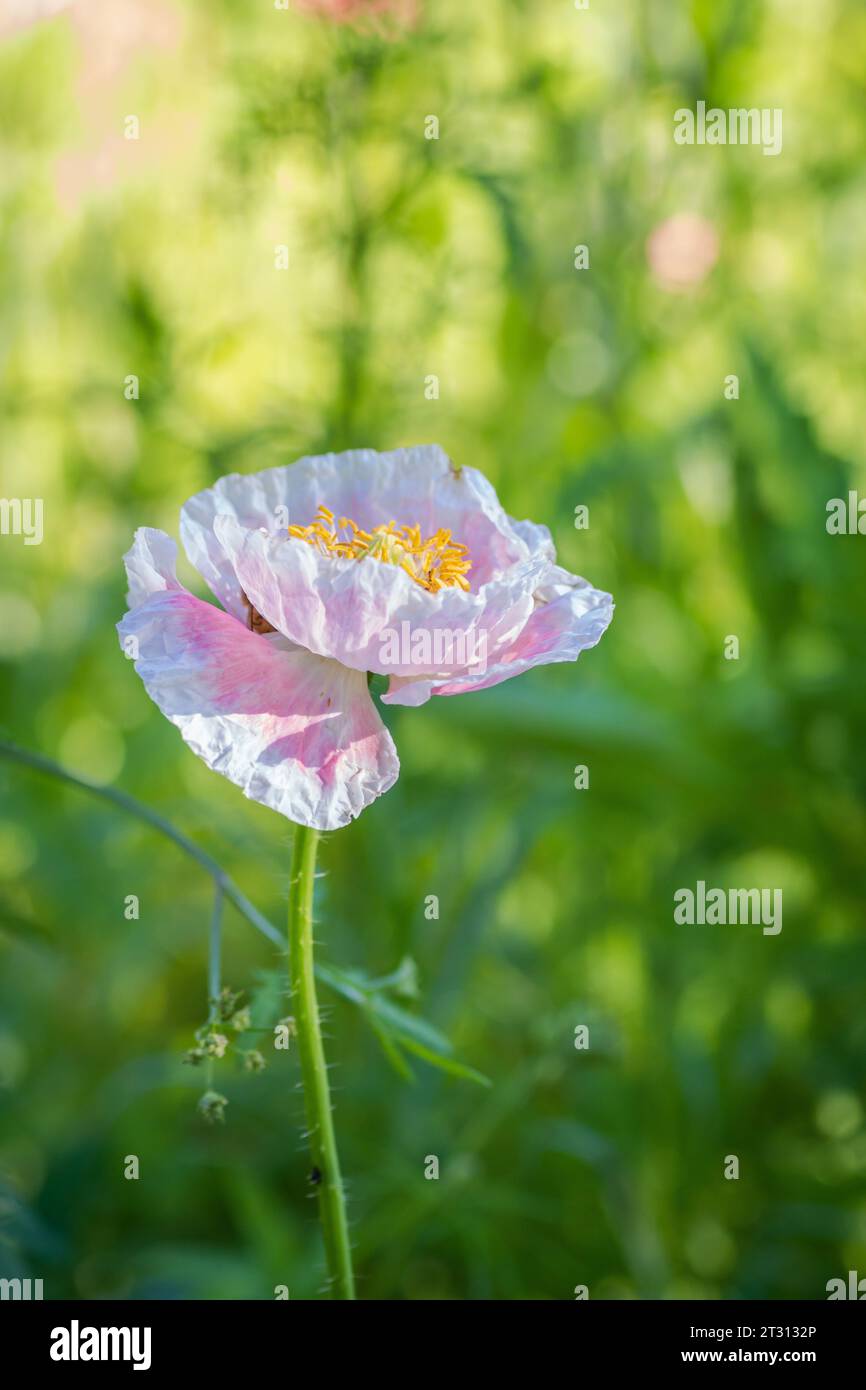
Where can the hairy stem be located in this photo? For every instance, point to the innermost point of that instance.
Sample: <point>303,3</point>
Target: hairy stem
<point>317,1098</point>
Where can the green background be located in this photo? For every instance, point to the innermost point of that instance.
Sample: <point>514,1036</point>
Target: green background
<point>605,387</point>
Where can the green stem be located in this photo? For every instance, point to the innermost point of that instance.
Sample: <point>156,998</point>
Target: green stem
<point>214,969</point>
<point>317,1098</point>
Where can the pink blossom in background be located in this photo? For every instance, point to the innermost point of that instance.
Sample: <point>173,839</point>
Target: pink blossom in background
<point>109,38</point>
<point>111,34</point>
<point>20,14</point>
<point>109,31</point>
<point>682,251</point>
<point>350,11</point>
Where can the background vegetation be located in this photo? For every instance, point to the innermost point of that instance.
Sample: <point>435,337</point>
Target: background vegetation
<point>455,257</point>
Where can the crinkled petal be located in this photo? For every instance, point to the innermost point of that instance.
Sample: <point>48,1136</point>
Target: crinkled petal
<point>374,616</point>
<point>257,501</point>
<point>150,563</point>
<point>406,485</point>
<point>536,538</point>
<point>570,616</point>
<point>297,733</point>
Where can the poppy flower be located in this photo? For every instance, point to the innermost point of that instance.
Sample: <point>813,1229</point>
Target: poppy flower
<point>327,570</point>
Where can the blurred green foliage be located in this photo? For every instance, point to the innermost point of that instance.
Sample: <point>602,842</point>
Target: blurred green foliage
<point>455,257</point>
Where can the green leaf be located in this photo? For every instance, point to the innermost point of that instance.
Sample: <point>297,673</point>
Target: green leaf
<point>403,981</point>
<point>400,1028</point>
<point>393,1053</point>
<point>449,1064</point>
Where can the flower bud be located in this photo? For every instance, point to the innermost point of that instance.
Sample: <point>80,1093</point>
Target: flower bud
<point>212,1107</point>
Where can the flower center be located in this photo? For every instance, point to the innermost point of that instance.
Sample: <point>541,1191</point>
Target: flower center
<point>435,563</point>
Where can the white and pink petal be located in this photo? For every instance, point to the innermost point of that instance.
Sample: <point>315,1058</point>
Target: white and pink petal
<point>570,616</point>
<point>294,731</point>
<point>151,564</point>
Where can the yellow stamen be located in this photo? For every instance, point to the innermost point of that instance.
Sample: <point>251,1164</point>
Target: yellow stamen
<point>435,563</point>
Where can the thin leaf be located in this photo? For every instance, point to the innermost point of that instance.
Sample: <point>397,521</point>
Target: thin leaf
<point>400,1027</point>
<point>393,1053</point>
<point>449,1064</point>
